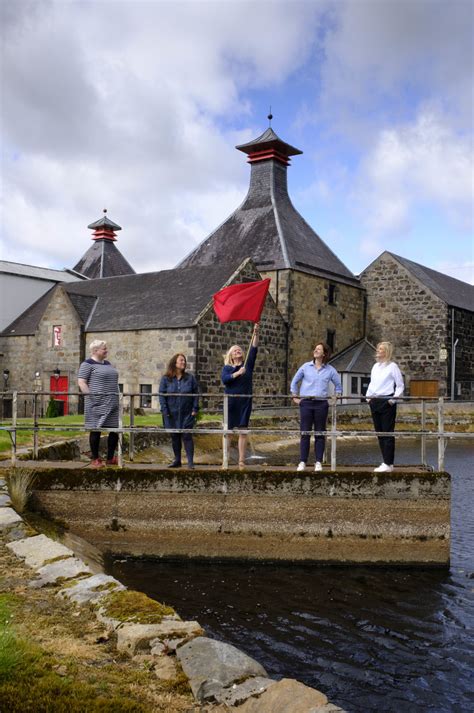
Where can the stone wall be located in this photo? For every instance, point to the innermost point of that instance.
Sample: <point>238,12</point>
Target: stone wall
<point>311,316</point>
<point>214,339</point>
<point>403,311</point>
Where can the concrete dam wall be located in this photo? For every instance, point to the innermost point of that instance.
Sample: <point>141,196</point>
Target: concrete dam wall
<point>344,517</point>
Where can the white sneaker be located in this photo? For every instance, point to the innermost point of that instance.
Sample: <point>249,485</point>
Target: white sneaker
<point>301,466</point>
<point>384,468</point>
<point>317,467</point>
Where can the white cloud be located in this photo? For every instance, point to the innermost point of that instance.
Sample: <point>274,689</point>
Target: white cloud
<point>421,164</point>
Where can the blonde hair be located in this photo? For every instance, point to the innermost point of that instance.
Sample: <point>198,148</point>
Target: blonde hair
<point>388,347</point>
<point>228,361</point>
<point>96,344</point>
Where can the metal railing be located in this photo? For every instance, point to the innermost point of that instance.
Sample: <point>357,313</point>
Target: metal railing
<point>132,430</point>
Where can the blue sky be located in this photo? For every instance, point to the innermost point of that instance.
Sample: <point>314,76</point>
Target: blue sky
<point>137,107</point>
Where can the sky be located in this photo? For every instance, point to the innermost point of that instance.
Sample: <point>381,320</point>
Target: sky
<point>137,107</point>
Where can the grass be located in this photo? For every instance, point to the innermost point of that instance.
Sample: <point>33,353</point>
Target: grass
<point>55,658</point>
<point>19,483</point>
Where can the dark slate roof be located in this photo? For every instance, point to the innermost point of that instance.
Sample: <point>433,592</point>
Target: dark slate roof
<point>153,300</point>
<point>103,259</point>
<point>268,229</point>
<point>104,223</point>
<point>269,140</point>
<point>455,293</point>
<point>359,358</point>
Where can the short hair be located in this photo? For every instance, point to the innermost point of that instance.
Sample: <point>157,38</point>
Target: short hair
<point>326,351</point>
<point>388,346</point>
<point>96,344</point>
<point>171,368</point>
<point>228,361</point>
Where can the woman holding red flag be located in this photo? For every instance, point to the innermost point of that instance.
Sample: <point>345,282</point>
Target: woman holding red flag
<point>237,379</point>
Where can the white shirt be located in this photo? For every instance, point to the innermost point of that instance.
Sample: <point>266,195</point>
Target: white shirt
<point>385,380</point>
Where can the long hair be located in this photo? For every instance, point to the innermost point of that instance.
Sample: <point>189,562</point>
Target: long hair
<point>326,349</point>
<point>228,361</point>
<point>388,346</point>
<point>171,368</point>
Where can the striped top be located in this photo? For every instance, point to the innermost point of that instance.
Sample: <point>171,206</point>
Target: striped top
<point>101,405</point>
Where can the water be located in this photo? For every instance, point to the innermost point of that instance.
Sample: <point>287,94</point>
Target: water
<point>372,639</point>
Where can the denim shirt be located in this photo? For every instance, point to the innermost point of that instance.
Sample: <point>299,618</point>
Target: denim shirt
<point>314,382</point>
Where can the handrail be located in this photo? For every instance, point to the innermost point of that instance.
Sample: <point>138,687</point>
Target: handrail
<point>333,434</point>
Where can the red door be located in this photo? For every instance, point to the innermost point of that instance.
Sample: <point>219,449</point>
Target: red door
<point>58,385</point>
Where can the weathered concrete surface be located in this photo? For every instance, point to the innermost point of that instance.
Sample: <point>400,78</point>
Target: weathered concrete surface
<point>132,638</point>
<point>351,517</point>
<point>212,666</point>
<point>36,551</point>
<point>8,517</point>
<point>91,589</point>
<point>63,569</point>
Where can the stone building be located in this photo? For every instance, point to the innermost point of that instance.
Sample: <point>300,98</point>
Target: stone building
<point>145,319</point>
<point>429,317</point>
<point>316,294</point>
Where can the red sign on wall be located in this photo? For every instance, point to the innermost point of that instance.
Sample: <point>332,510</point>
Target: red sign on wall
<point>57,336</point>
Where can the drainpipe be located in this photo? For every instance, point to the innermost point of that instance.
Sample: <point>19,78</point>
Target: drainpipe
<point>453,369</point>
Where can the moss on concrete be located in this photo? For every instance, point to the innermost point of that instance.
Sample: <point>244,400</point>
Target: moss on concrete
<point>134,607</point>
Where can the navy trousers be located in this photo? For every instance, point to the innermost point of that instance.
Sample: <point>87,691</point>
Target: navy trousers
<point>187,440</point>
<point>383,416</point>
<point>313,415</point>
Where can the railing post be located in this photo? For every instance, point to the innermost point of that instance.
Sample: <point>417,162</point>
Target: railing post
<point>333,437</point>
<point>14,423</point>
<point>131,438</point>
<point>423,429</point>
<point>120,438</point>
<point>35,426</point>
<point>225,425</point>
<point>441,439</point>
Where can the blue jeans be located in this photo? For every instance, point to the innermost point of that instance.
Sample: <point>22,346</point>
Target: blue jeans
<point>313,415</point>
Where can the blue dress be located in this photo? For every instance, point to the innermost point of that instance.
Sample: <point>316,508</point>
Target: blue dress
<point>239,409</point>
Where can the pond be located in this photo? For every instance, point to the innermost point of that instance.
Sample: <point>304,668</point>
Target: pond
<point>371,638</point>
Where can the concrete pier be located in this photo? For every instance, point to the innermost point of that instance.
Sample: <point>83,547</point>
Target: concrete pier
<point>351,516</point>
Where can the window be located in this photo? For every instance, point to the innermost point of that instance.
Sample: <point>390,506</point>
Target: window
<point>145,395</point>
<point>331,294</point>
<point>120,388</point>
<point>331,338</point>
<point>57,335</point>
<point>354,384</point>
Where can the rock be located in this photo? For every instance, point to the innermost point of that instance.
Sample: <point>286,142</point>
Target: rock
<point>3,485</point>
<point>132,638</point>
<point>18,532</point>
<point>286,696</point>
<point>239,692</point>
<point>4,500</point>
<point>165,668</point>
<point>213,665</point>
<point>37,550</point>
<point>8,517</point>
<point>62,569</point>
<point>158,647</point>
<point>91,589</point>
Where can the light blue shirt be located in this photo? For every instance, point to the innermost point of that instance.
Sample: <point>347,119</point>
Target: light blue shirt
<point>315,382</point>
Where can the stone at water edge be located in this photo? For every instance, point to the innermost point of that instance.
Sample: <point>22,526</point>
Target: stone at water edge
<point>38,549</point>
<point>287,696</point>
<point>62,569</point>
<point>8,517</point>
<point>91,589</point>
<point>139,637</point>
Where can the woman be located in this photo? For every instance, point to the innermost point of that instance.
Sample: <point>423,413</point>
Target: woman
<point>237,379</point>
<point>386,385</point>
<point>310,389</point>
<point>179,411</point>
<point>98,380</point>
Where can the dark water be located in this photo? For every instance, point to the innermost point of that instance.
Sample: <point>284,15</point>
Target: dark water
<point>372,639</point>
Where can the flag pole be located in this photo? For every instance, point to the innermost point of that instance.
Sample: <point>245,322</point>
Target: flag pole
<point>251,340</point>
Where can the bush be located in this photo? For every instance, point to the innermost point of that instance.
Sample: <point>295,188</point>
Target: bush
<point>53,409</point>
<point>19,483</point>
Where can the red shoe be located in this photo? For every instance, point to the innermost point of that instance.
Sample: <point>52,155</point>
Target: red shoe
<point>97,463</point>
<point>112,461</point>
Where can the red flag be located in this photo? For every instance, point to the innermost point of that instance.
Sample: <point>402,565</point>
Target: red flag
<point>241,302</point>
